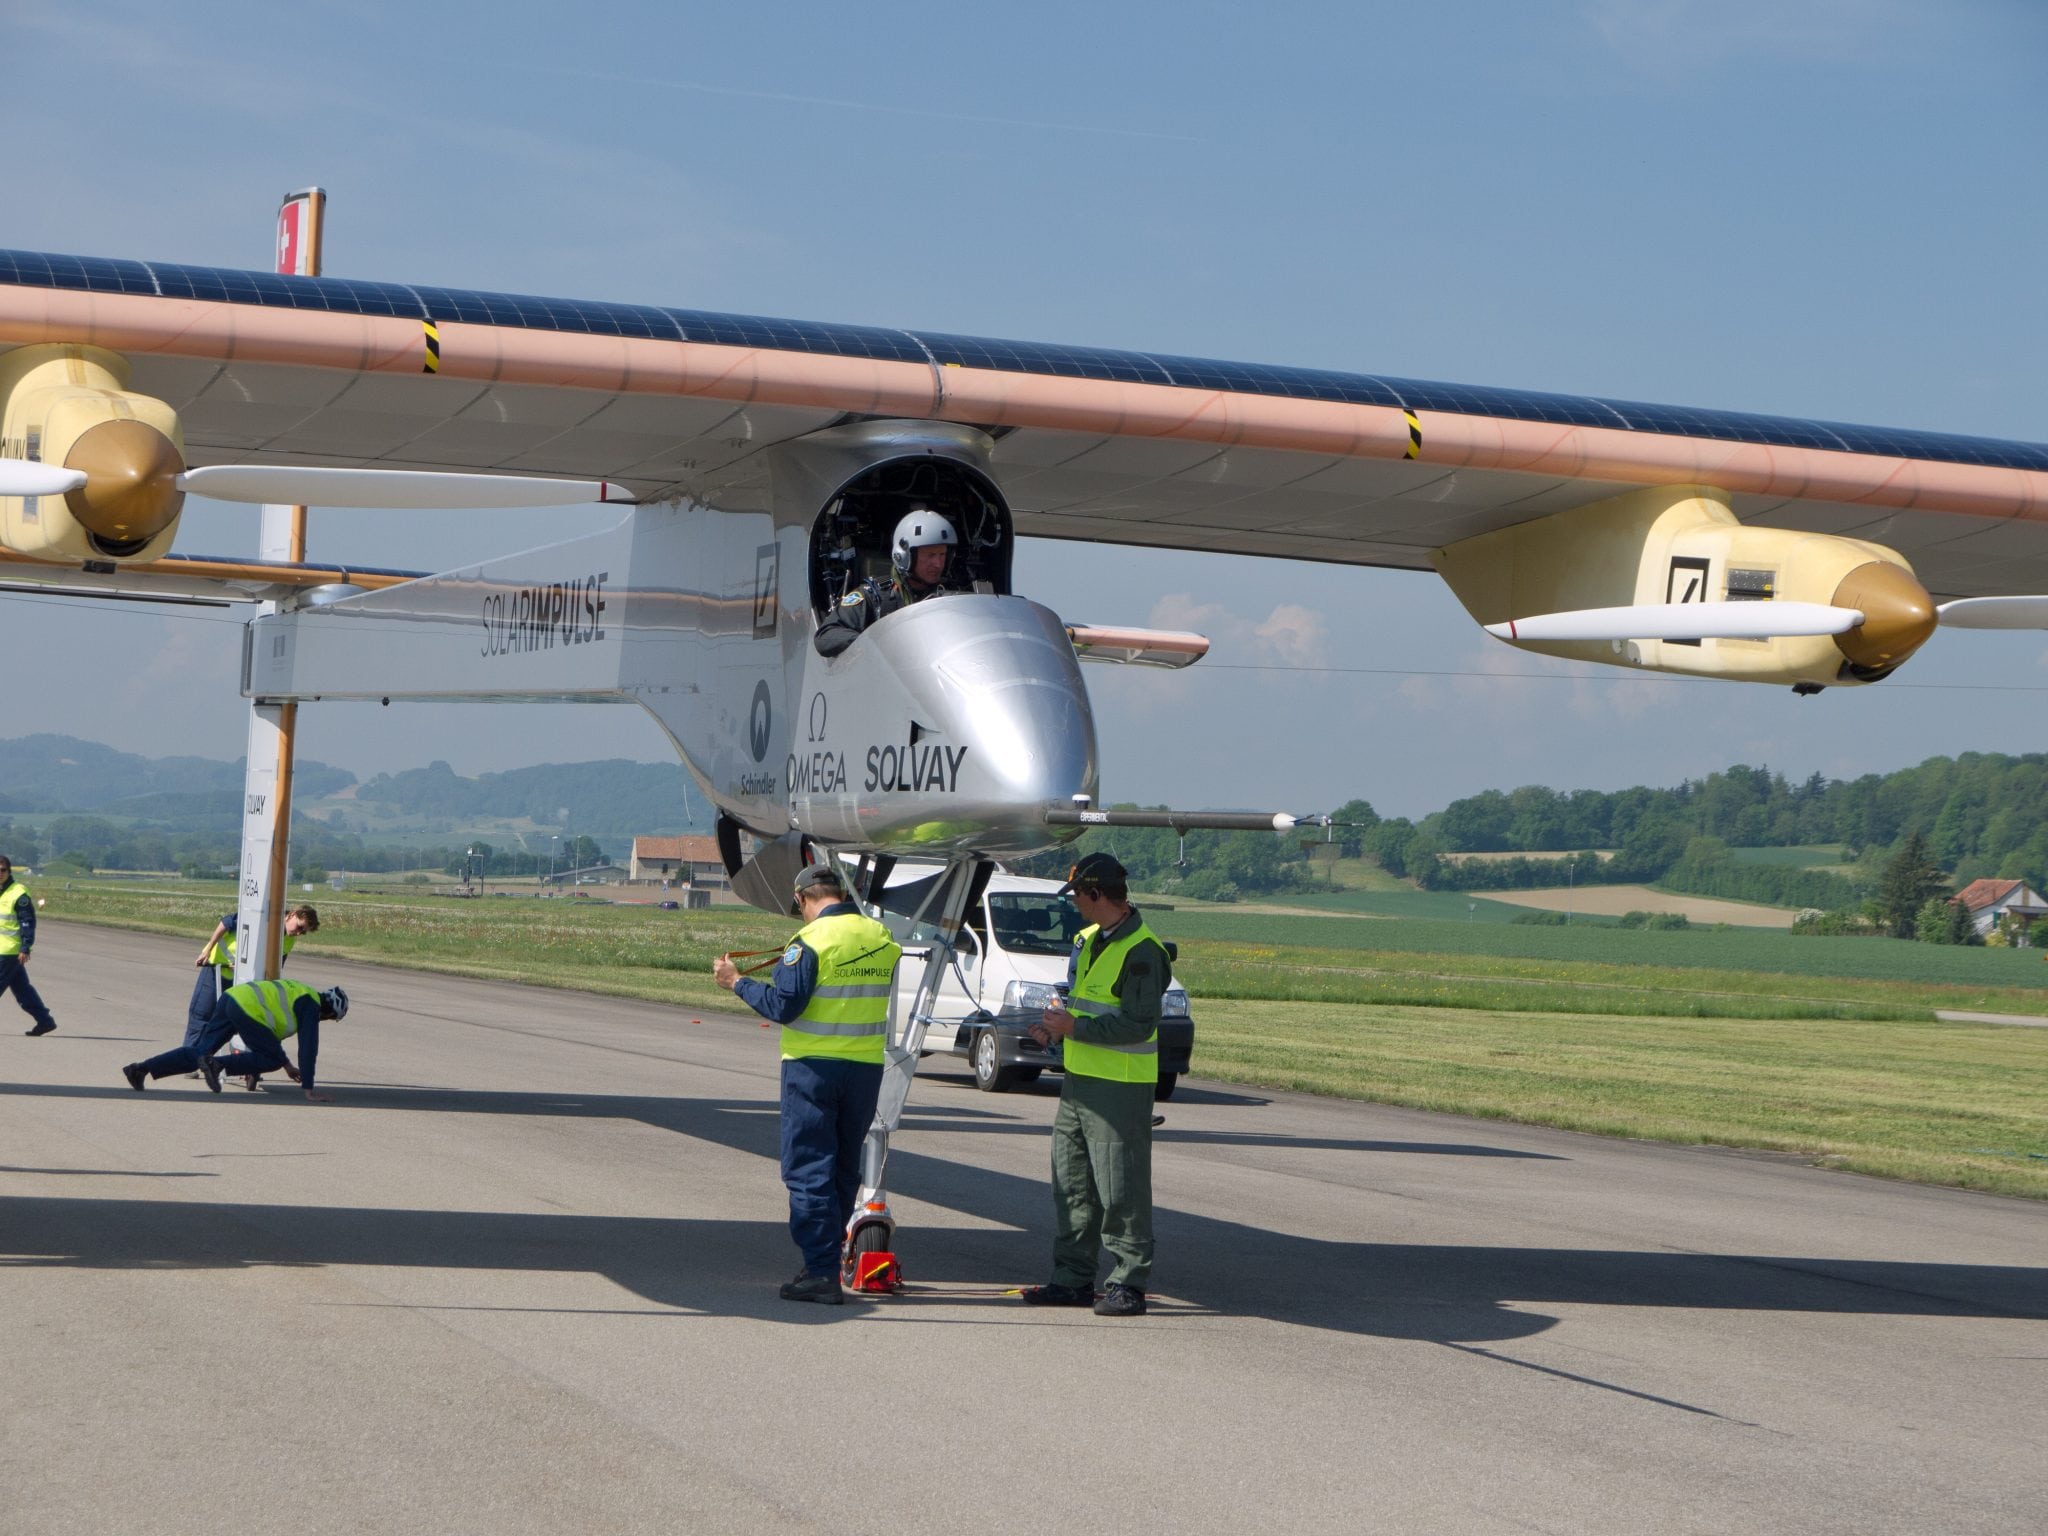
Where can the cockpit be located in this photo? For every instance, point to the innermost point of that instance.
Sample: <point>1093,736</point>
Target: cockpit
<point>859,569</point>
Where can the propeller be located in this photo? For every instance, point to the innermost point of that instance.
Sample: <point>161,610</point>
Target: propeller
<point>124,480</point>
<point>25,477</point>
<point>1880,615</point>
<point>1994,613</point>
<point>391,488</point>
<point>1684,621</point>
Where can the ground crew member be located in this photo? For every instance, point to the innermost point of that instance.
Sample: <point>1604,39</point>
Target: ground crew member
<point>265,1014</point>
<point>17,938</point>
<point>217,965</point>
<point>1102,1135</point>
<point>831,997</point>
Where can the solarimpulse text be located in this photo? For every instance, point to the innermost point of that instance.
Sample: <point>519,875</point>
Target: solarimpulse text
<point>539,618</point>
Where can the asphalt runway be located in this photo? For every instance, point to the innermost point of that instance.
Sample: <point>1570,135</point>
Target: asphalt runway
<point>521,1277</point>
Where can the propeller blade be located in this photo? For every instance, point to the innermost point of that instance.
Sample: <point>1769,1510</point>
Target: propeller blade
<point>1994,613</point>
<point>25,477</point>
<point>391,488</point>
<point>1684,621</point>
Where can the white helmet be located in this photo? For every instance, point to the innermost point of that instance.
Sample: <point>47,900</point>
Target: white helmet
<point>919,529</point>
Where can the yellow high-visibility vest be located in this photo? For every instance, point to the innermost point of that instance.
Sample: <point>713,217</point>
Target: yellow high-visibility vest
<point>10,924</point>
<point>223,953</point>
<point>269,1003</point>
<point>1093,995</point>
<point>847,1017</point>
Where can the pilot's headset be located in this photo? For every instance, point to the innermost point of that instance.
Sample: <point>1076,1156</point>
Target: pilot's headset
<point>917,529</point>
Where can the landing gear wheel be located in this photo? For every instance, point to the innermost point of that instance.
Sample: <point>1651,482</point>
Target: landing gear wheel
<point>1163,1089</point>
<point>869,1237</point>
<point>990,1075</point>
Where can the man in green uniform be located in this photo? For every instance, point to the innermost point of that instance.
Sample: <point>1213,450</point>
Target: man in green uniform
<point>1102,1135</point>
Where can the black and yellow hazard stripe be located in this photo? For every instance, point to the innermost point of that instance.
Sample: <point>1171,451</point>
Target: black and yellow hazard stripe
<point>1414,437</point>
<point>433,362</point>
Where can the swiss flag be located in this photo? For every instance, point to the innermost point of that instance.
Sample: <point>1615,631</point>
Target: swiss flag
<point>291,220</point>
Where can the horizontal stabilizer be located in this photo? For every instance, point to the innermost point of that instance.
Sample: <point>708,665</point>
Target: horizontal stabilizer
<point>1995,613</point>
<point>1138,647</point>
<point>1683,621</point>
<point>402,489</point>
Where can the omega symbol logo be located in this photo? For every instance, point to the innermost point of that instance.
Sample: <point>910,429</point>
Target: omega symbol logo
<point>758,721</point>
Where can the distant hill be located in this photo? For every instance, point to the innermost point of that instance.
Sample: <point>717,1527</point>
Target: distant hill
<point>63,775</point>
<point>613,797</point>
<point>48,774</point>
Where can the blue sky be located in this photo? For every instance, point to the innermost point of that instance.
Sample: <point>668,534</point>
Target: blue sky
<point>1831,209</point>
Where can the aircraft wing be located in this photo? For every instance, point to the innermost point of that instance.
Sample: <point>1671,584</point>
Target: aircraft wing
<point>1114,447</point>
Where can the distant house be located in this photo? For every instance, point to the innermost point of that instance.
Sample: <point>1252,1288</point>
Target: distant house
<point>1988,900</point>
<point>680,860</point>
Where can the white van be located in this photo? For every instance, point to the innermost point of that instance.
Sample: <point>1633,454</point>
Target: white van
<point>1010,964</point>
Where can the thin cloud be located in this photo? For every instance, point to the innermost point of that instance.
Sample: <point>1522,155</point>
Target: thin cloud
<point>698,87</point>
<point>1669,35</point>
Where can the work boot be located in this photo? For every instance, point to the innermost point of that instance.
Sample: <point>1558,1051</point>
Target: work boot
<point>210,1070</point>
<point>41,1029</point>
<point>1121,1301</point>
<point>249,1082</point>
<point>823,1289</point>
<point>133,1072</point>
<point>1057,1295</point>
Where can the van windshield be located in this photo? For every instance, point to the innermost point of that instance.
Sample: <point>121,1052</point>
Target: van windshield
<point>1033,925</point>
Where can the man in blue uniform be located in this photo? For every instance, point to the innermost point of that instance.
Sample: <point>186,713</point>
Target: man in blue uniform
<point>265,1014</point>
<point>17,938</point>
<point>217,965</point>
<point>831,996</point>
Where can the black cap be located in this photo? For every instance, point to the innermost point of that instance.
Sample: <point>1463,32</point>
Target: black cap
<point>819,874</point>
<point>1095,870</point>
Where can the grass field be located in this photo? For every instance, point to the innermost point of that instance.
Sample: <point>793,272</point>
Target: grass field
<point>1813,856</point>
<point>1693,1037</point>
<point>2017,975</point>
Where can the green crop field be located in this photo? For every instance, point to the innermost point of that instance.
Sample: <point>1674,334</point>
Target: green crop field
<point>1967,972</point>
<point>1823,1048</point>
<point>1818,856</point>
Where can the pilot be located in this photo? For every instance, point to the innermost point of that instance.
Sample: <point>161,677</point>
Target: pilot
<point>920,553</point>
<point>1102,1135</point>
<point>831,997</point>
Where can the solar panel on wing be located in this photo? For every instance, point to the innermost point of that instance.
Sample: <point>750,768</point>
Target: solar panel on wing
<point>34,269</point>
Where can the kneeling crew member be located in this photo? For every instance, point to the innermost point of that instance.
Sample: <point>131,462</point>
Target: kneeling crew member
<point>1102,1135</point>
<point>831,997</point>
<point>265,1014</point>
<point>216,964</point>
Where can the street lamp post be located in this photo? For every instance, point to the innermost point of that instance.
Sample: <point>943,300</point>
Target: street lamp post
<point>1571,871</point>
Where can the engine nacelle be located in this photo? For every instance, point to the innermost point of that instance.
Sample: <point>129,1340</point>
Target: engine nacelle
<point>68,405</point>
<point>1684,544</point>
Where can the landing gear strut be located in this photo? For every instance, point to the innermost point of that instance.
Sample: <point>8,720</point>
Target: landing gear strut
<point>872,1229</point>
